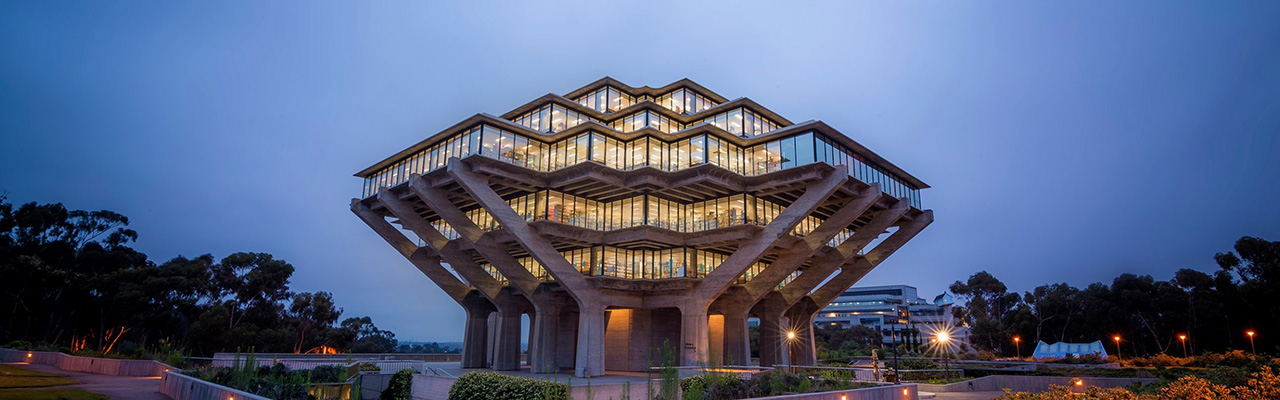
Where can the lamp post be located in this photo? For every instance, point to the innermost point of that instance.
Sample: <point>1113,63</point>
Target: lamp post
<point>943,339</point>
<point>1183,338</point>
<point>1117,339</point>
<point>1251,347</point>
<point>791,338</point>
<point>1017,344</point>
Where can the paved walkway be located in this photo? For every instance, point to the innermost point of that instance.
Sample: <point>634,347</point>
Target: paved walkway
<point>967,395</point>
<point>115,387</point>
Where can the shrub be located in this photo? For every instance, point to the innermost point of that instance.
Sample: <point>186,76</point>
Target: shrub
<point>715,386</point>
<point>916,363</point>
<point>400,386</point>
<point>19,345</point>
<point>482,385</point>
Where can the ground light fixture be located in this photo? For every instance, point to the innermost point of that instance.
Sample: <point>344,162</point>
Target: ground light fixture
<point>28,355</point>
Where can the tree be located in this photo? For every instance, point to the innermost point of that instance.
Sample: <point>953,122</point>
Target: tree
<point>368,338</point>
<point>988,309</point>
<point>311,312</point>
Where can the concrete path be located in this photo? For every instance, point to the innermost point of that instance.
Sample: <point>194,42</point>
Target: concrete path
<point>115,387</point>
<point>967,395</point>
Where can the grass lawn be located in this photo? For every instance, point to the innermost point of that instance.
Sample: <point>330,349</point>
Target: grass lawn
<point>50,394</point>
<point>13,370</point>
<point>14,377</point>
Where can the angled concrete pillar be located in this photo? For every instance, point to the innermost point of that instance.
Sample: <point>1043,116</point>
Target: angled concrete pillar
<point>475,340</point>
<point>771,311</point>
<point>803,348</point>
<point>694,335</point>
<point>590,355</point>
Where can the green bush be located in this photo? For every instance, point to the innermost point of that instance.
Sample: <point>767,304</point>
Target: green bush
<point>483,385</point>
<point>714,386</point>
<point>399,387</point>
<point>19,345</point>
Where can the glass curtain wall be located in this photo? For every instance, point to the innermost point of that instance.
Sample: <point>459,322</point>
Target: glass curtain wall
<point>606,100</point>
<point>646,119</point>
<point>741,121</point>
<point>771,156</point>
<point>551,118</point>
<point>685,101</point>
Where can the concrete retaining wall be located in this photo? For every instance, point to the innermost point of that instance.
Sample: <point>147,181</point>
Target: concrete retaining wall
<point>93,365</point>
<point>181,387</point>
<point>430,387</point>
<point>1033,384</point>
<point>906,391</point>
<point>345,357</point>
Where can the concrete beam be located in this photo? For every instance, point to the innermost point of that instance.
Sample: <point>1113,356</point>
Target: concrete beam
<point>750,251</point>
<point>537,245</point>
<point>429,266</point>
<point>490,249</point>
<point>460,261</point>
<point>791,261</point>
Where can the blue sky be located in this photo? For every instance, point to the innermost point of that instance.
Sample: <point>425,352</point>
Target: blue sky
<point>1065,142</point>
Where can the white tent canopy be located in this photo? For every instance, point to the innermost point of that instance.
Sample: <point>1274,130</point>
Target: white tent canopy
<point>1061,349</point>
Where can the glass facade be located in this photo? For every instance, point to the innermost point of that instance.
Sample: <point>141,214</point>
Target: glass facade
<point>606,100</point>
<point>551,118</point>
<point>550,205</point>
<point>685,101</point>
<point>646,119</point>
<point>521,150</point>
<point>617,262</point>
<point>741,121</point>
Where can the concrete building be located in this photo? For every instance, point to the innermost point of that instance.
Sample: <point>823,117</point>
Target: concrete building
<point>897,312</point>
<point>620,218</point>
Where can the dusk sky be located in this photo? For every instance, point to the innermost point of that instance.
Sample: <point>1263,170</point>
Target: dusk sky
<point>1064,142</point>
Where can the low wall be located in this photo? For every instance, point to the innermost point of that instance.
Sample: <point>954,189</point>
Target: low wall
<point>427,387</point>
<point>906,391</point>
<point>181,387</point>
<point>1030,383</point>
<point>93,365</point>
<point>454,357</point>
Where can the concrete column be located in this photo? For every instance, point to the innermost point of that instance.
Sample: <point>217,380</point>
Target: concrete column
<point>737,340</point>
<point>475,338</point>
<point>803,350</point>
<point>507,342</point>
<point>694,335</point>
<point>542,342</point>
<point>590,356</point>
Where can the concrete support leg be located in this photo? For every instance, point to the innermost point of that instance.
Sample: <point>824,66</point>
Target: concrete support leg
<point>542,342</point>
<point>737,340</point>
<point>507,342</point>
<point>590,356</point>
<point>771,339</point>
<point>475,338</point>
<point>694,336</point>
<point>803,351</point>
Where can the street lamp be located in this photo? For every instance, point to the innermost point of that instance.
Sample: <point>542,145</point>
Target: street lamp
<point>1117,339</point>
<point>1183,338</point>
<point>943,340</point>
<point>1251,347</point>
<point>791,338</point>
<point>1017,344</point>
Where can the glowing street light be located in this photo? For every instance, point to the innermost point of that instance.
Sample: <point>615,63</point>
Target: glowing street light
<point>791,335</point>
<point>944,340</point>
<point>1017,344</point>
<point>1255,349</point>
<point>1117,339</point>
<point>1183,338</point>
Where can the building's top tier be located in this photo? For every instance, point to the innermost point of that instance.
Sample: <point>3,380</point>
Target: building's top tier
<point>668,128</point>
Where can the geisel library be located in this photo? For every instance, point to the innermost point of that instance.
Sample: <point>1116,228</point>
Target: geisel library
<point>621,220</point>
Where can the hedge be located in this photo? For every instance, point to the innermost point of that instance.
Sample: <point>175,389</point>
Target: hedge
<point>483,385</point>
